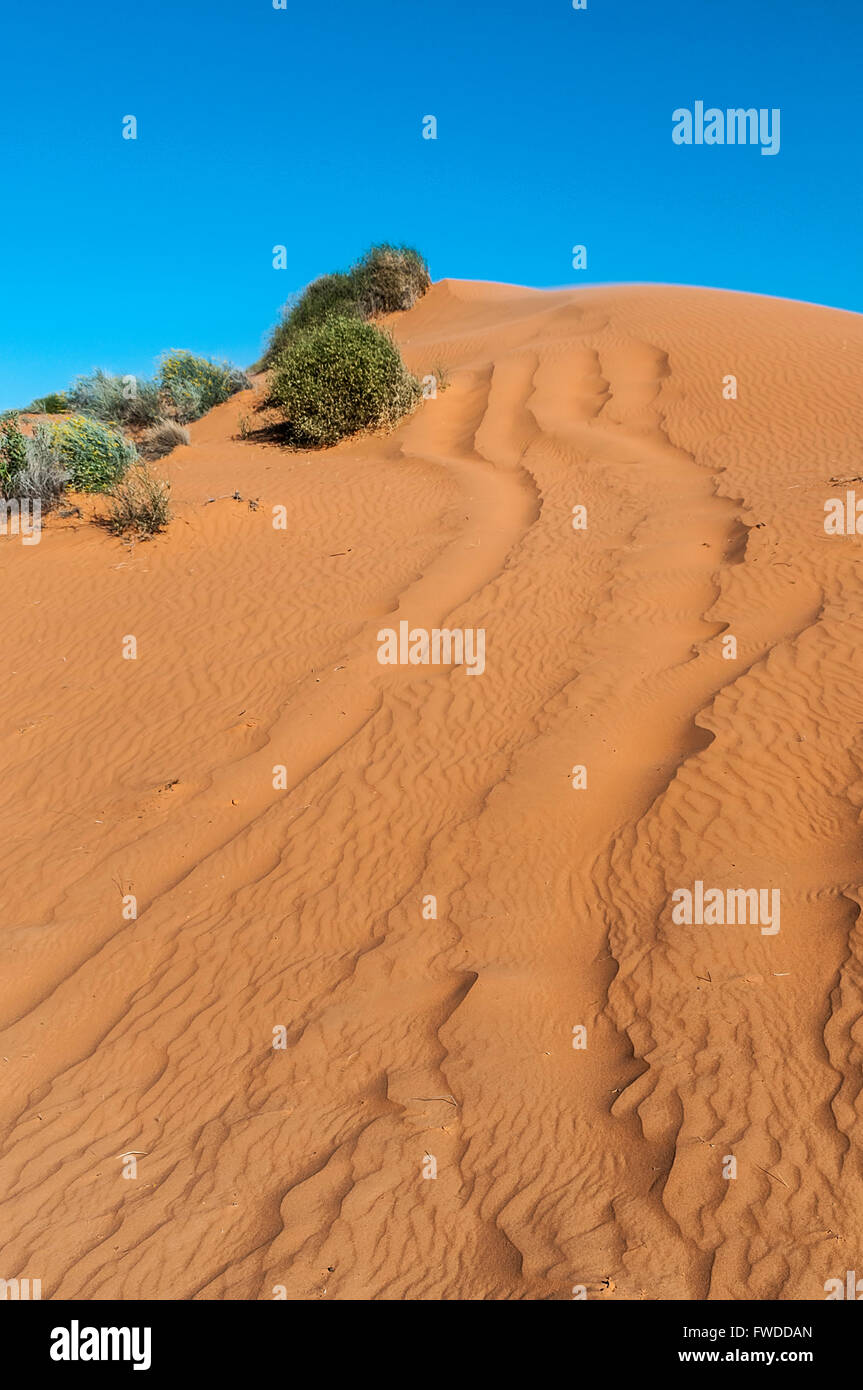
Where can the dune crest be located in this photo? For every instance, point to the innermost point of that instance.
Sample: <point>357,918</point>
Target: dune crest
<point>388,867</point>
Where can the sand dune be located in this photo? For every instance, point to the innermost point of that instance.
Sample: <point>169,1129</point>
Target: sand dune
<point>411,1038</point>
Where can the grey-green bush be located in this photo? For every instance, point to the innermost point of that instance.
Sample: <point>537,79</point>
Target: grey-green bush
<point>43,475</point>
<point>337,378</point>
<point>116,399</point>
<point>33,467</point>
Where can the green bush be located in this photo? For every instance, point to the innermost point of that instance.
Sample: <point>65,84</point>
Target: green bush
<point>94,455</point>
<point>13,449</point>
<point>384,280</point>
<point>53,404</point>
<point>331,294</point>
<point>195,384</point>
<point>339,377</point>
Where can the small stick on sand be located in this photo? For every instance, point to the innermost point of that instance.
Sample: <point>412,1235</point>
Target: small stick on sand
<point>772,1175</point>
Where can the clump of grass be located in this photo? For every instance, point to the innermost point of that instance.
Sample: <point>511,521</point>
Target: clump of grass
<point>122,400</point>
<point>139,505</point>
<point>94,455</point>
<point>386,279</point>
<point>389,279</point>
<point>440,377</point>
<point>195,384</point>
<point>339,377</point>
<point>162,438</point>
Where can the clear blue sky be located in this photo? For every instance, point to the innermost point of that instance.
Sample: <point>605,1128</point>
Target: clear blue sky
<point>302,126</point>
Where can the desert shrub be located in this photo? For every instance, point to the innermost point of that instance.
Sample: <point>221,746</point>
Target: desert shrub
<point>116,399</point>
<point>139,505</point>
<point>339,377</point>
<point>162,438</point>
<point>30,467</point>
<point>238,380</point>
<point>43,475</point>
<point>53,404</point>
<point>331,294</point>
<point>144,406</point>
<point>94,455</point>
<point>13,449</point>
<point>188,401</point>
<point>98,395</point>
<point>389,278</point>
<point>195,384</point>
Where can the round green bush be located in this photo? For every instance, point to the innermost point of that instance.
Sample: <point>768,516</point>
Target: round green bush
<point>340,377</point>
<point>94,455</point>
<point>331,294</point>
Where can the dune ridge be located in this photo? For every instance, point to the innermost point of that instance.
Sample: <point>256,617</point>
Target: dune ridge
<point>302,1168</point>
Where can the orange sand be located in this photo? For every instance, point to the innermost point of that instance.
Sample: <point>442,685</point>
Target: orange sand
<point>452,1038</point>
